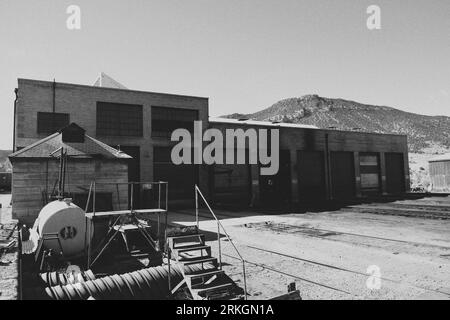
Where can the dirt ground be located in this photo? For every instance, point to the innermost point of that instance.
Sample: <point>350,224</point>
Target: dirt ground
<point>341,254</point>
<point>333,255</point>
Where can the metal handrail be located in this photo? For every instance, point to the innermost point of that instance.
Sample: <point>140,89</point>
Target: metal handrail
<point>219,226</point>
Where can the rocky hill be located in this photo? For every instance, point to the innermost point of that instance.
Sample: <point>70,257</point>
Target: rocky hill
<point>424,132</point>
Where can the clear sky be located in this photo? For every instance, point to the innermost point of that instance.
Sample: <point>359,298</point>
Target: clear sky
<point>243,54</point>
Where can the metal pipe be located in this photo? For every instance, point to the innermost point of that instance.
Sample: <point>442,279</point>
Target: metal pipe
<point>16,91</point>
<point>220,247</point>
<point>245,279</point>
<point>132,191</point>
<point>196,207</point>
<point>89,198</point>
<point>159,196</point>
<point>167,198</point>
<point>87,236</point>
<point>64,172</point>
<point>91,225</point>
<point>93,199</point>
<point>60,173</point>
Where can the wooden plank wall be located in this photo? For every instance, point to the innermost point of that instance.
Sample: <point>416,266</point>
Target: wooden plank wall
<point>30,180</point>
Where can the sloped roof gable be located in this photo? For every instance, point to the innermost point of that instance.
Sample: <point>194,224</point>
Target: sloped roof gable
<point>90,148</point>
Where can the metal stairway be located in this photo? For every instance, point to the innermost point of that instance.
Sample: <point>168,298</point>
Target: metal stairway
<point>210,282</point>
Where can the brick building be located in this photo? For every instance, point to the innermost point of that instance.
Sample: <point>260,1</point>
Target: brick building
<point>136,122</point>
<point>315,163</point>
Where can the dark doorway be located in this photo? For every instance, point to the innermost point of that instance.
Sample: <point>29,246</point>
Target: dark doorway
<point>311,176</point>
<point>395,173</point>
<point>275,191</point>
<point>181,178</point>
<point>134,174</point>
<point>231,184</point>
<point>343,175</point>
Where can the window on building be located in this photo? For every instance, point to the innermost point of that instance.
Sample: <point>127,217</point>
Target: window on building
<point>117,119</point>
<point>50,122</point>
<point>165,120</point>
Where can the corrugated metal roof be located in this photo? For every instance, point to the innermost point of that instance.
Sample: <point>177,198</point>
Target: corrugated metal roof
<point>90,148</point>
<point>261,123</point>
<point>442,157</point>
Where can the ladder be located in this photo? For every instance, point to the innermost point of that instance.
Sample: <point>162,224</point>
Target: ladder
<point>202,275</point>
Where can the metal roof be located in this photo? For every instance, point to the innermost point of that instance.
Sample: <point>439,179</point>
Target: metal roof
<point>90,148</point>
<point>261,123</point>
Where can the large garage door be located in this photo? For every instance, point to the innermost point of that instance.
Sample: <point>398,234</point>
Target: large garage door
<point>275,191</point>
<point>311,176</point>
<point>232,183</point>
<point>395,173</point>
<point>370,173</point>
<point>342,175</point>
<point>181,178</point>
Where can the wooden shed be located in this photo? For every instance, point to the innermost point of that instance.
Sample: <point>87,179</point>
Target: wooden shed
<point>37,172</point>
<point>440,173</point>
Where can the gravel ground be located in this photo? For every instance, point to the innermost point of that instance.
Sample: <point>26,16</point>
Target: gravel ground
<point>329,255</point>
<point>411,254</point>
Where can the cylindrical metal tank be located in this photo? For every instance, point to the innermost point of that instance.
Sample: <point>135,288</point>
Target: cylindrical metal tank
<point>66,219</point>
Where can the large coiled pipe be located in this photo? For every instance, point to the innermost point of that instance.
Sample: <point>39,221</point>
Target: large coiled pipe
<point>149,283</point>
<point>57,278</point>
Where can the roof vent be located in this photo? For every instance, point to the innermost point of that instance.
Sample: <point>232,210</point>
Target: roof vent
<point>243,119</point>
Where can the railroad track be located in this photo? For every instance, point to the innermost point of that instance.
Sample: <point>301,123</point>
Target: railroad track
<point>429,212</point>
<point>336,268</point>
<point>318,263</point>
<point>326,234</point>
<point>318,232</point>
